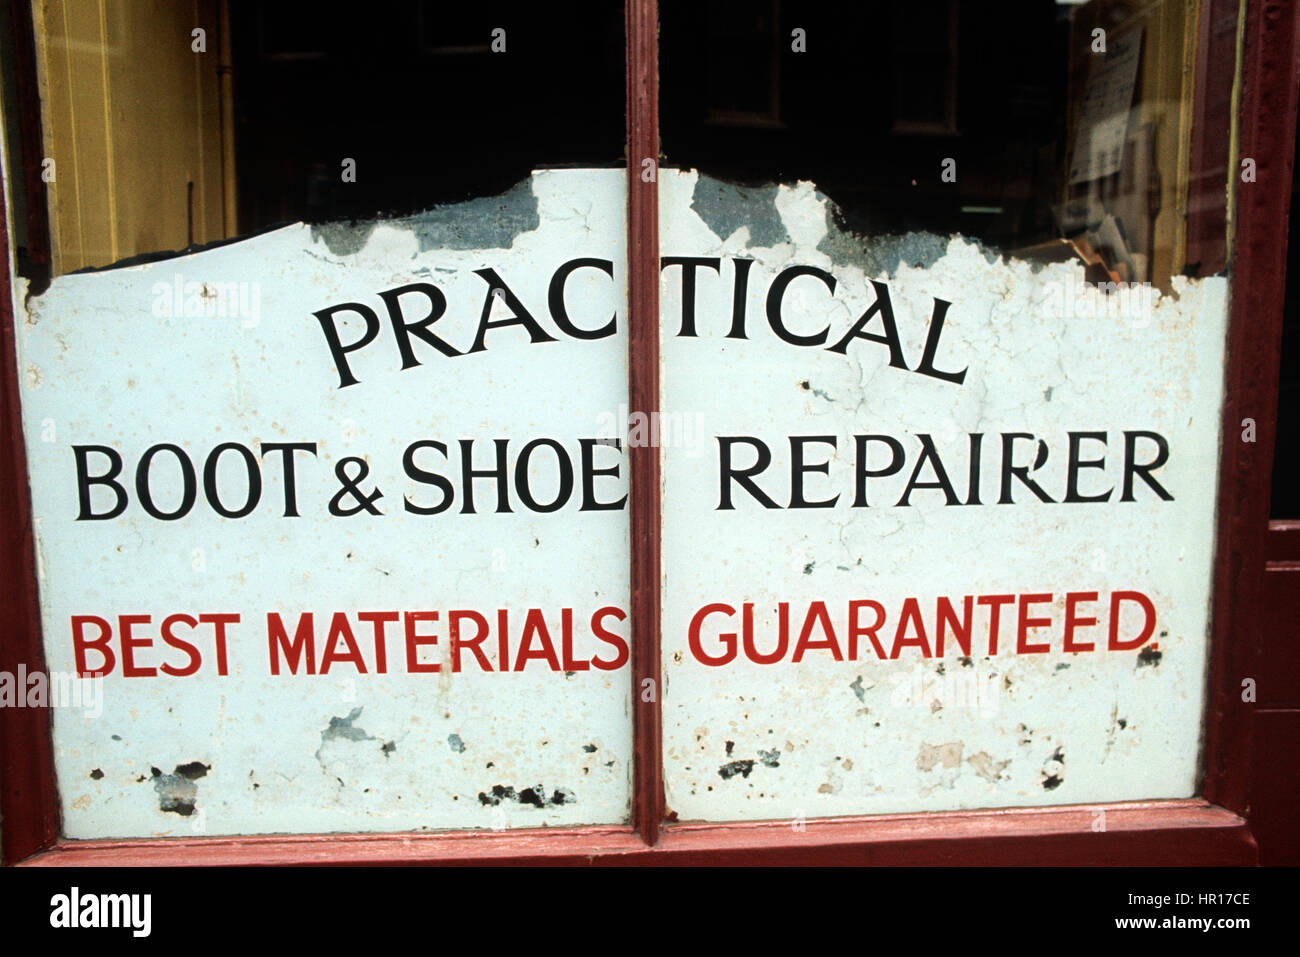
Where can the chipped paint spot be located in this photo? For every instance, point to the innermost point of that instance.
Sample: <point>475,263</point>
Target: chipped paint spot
<point>1149,657</point>
<point>856,685</point>
<point>177,792</point>
<point>343,729</point>
<point>726,207</point>
<point>930,755</point>
<point>534,796</point>
<point>481,223</point>
<point>1053,774</point>
<point>729,771</point>
<point>986,767</point>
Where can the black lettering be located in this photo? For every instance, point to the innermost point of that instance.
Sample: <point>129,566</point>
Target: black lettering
<point>424,476</point>
<point>520,316</point>
<point>883,306</point>
<point>798,467</point>
<point>85,480</point>
<point>402,330</point>
<point>1074,464</point>
<point>254,480</point>
<point>469,473</point>
<point>1021,472</point>
<point>740,298</point>
<point>337,349</point>
<point>742,477</point>
<point>566,475</point>
<point>560,313</point>
<point>932,346</point>
<point>931,455</point>
<point>589,473</point>
<point>777,293</point>
<point>286,449</point>
<point>864,473</point>
<point>689,264</point>
<point>189,483</point>
<point>1131,466</point>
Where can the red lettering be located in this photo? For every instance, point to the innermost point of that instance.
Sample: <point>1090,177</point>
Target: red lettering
<point>535,624</point>
<point>180,644</point>
<point>912,613</point>
<point>728,639</point>
<point>1023,647</point>
<point>459,641</point>
<point>414,666</point>
<point>566,642</point>
<point>857,630</point>
<point>1149,626</point>
<point>218,623</point>
<point>379,619</point>
<point>600,631</point>
<point>817,613</point>
<point>130,643</point>
<point>945,617</point>
<point>995,603</point>
<point>303,644</point>
<point>80,643</point>
<point>1073,621</point>
<point>782,634</point>
<point>339,628</point>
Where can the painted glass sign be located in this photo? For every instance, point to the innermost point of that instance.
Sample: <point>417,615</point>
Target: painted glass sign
<point>947,541</point>
<point>339,516</point>
<point>332,513</point>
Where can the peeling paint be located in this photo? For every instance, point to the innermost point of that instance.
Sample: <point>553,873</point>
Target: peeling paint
<point>481,223</point>
<point>726,207</point>
<point>948,755</point>
<point>177,792</point>
<point>532,796</point>
<point>1149,657</point>
<point>986,767</point>
<point>1053,773</point>
<point>733,768</point>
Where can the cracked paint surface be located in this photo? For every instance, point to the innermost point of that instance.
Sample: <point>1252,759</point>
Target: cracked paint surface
<point>917,734</point>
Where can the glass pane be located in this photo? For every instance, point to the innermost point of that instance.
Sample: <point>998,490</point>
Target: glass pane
<point>947,366</point>
<point>329,509</point>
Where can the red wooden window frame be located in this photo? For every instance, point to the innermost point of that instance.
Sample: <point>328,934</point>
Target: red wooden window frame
<point>1210,829</point>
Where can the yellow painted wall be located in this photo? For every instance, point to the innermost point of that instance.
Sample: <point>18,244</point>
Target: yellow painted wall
<point>132,116</point>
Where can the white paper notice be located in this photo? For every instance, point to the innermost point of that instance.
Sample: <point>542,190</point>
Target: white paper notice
<point>1103,119</point>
